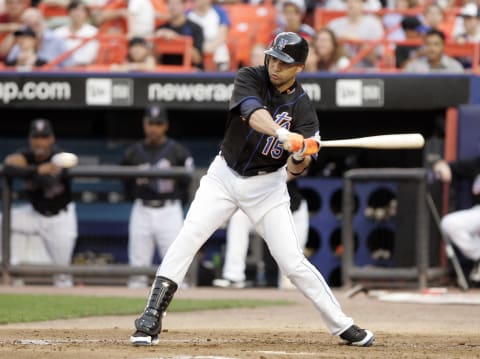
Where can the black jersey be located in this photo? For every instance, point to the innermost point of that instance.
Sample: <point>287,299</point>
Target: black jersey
<point>468,169</point>
<point>47,194</point>
<point>249,152</point>
<point>169,154</point>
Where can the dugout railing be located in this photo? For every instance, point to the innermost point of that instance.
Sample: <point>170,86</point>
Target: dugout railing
<point>81,171</point>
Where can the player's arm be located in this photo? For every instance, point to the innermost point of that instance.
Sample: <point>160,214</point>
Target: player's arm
<point>260,120</point>
<point>16,165</point>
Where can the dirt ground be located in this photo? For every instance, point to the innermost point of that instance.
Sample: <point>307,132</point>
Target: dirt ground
<point>296,331</point>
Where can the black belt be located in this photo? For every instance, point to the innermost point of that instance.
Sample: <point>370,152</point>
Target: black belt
<point>157,203</point>
<point>52,213</point>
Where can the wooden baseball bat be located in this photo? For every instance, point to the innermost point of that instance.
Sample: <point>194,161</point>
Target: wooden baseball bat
<point>383,142</point>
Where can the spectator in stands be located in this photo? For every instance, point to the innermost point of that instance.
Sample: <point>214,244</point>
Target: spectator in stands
<point>179,25</point>
<point>48,223</point>
<point>340,5</point>
<point>410,26</point>
<point>463,226</point>
<point>359,26</point>
<point>292,15</point>
<point>10,21</point>
<point>434,59</point>
<point>214,22</point>
<point>141,18</point>
<point>49,45</point>
<point>78,30</point>
<point>139,56</point>
<point>434,18</point>
<point>471,33</point>
<point>55,12</point>
<point>392,20</point>
<point>111,16</point>
<point>157,213</point>
<point>27,57</point>
<point>327,54</point>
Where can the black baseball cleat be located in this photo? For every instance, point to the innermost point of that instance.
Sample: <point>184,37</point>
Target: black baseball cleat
<point>142,339</point>
<point>358,337</point>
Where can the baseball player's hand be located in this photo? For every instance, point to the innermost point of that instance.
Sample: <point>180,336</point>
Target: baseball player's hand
<point>442,171</point>
<point>292,142</point>
<point>49,168</point>
<point>310,146</point>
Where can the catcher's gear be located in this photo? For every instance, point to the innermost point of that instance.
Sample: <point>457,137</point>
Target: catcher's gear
<point>292,142</point>
<point>150,322</point>
<point>289,47</point>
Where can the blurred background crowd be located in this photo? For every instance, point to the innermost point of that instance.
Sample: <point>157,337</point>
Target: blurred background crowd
<point>205,35</point>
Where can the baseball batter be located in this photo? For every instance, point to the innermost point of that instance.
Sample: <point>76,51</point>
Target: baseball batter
<point>50,215</point>
<point>272,128</point>
<point>157,213</point>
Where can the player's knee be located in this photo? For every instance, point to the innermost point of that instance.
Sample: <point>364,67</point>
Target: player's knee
<point>449,225</point>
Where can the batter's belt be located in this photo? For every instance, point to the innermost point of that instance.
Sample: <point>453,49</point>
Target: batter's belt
<point>158,203</point>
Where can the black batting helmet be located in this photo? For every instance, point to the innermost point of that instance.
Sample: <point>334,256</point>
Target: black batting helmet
<point>289,47</point>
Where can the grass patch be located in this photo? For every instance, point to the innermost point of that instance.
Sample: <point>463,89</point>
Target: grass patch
<point>22,308</point>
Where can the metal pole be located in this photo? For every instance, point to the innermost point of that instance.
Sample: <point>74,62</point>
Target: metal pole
<point>347,232</point>
<point>6,204</point>
<point>422,235</point>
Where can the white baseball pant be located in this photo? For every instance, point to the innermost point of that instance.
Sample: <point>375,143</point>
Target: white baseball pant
<point>238,235</point>
<point>148,228</point>
<point>265,200</point>
<point>463,228</point>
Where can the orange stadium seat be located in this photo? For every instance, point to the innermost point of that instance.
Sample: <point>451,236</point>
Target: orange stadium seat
<point>49,10</point>
<point>181,45</point>
<point>468,50</point>
<point>250,24</point>
<point>112,49</point>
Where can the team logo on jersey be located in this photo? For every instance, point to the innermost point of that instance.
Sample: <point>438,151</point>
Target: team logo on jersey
<point>283,118</point>
<point>281,44</point>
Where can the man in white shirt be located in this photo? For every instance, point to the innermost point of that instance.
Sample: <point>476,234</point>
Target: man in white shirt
<point>358,26</point>
<point>77,30</point>
<point>141,18</point>
<point>214,21</point>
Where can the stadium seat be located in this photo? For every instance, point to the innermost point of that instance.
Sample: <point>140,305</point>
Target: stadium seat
<point>112,50</point>
<point>181,45</point>
<point>250,24</point>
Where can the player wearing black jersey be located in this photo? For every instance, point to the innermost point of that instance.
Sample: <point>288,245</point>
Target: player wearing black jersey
<point>49,221</point>
<point>157,213</point>
<point>272,129</point>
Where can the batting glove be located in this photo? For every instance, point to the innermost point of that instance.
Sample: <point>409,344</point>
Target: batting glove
<point>310,146</point>
<point>292,142</point>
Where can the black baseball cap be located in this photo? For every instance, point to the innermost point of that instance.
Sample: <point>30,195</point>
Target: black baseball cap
<point>137,40</point>
<point>155,113</point>
<point>25,31</point>
<point>40,127</point>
